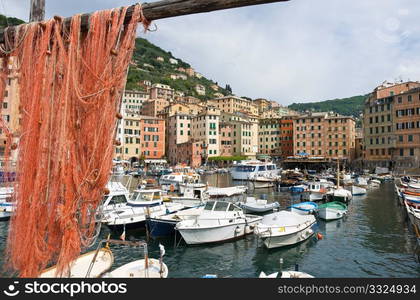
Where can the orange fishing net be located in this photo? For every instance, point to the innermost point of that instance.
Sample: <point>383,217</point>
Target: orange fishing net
<point>70,94</point>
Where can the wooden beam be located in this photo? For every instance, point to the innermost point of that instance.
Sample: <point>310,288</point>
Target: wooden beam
<point>37,12</point>
<point>170,8</point>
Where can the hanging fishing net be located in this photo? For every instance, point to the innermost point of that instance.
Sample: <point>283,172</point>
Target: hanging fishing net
<point>70,85</point>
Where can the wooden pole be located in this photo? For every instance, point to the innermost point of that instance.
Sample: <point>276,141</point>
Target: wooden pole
<point>167,9</point>
<point>37,12</point>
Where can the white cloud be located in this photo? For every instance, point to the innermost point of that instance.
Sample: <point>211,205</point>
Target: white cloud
<point>301,50</point>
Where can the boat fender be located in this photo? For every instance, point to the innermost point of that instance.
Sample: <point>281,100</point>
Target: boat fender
<point>237,230</point>
<point>319,236</point>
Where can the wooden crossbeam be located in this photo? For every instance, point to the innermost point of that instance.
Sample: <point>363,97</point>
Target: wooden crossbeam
<point>171,8</point>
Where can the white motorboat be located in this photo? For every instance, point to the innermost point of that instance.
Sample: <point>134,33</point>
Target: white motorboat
<point>89,265</point>
<point>218,222</point>
<point>117,197</point>
<point>258,205</point>
<point>252,169</point>
<point>164,225</point>
<point>142,204</point>
<point>284,228</point>
<point>171,182</point>
<point>193,194</point>
<point>356,190</point>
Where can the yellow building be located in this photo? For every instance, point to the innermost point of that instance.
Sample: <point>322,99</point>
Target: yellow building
<point>233,104</point>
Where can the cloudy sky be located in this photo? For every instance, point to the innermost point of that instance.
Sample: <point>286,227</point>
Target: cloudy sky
<point>297,51</point>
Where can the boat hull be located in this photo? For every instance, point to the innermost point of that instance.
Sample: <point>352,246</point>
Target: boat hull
<point>290,239</point>
<point>329,214</point>
<point>196,235</point>
<point>161,228</point>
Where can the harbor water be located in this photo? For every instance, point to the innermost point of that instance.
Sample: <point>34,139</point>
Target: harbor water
<point>373,240</point>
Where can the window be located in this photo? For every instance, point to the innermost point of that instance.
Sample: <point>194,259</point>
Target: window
<point>411,152</point>
<point>410,138</point>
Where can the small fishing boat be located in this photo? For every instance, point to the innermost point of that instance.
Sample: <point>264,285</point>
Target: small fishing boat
<point>413,212</point>
<point>356,190</point>
<point>316,191</point>
<point>340,194</point>
<point>142,268</point>
<point>258,205</point>
<point>92,264</point>
<point>374,183</point>
<point>361,181</point>
<point>261,182</point>
<point>332,210</point>
<point>298,188</point>
<point>219,221</point>
<point>285,228</point>
<point>304,208</point>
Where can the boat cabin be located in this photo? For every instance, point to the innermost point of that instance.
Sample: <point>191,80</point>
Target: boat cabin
<point>146,198</point>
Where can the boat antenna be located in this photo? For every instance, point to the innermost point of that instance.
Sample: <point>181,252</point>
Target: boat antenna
<point>281,266</point>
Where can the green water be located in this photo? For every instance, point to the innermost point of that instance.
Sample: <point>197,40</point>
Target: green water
<point>372,241</point>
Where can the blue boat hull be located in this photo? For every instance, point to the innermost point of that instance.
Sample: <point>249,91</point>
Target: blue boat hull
<point>160,228</point>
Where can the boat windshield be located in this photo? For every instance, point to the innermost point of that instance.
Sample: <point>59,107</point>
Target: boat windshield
<point>137,196</point>
<point>245,168</point>
<point>118,199</point>
<point>221,206</point>
<point>261,168</point>
<point>209,205</point>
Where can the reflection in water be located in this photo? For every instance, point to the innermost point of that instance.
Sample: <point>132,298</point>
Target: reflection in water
<point>372,241</point>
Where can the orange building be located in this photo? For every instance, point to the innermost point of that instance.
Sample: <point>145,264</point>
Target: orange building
<point>286,136</point>
<point>152,136</point>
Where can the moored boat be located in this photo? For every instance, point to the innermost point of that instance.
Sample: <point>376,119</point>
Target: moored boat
<point>253,205</point>
<point>219,221</point>
<point>92,264</point>
<point>332,210</point>
<point>284,228</point>
<point>304,208</point>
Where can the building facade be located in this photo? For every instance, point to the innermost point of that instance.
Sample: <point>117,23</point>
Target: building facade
<point>153,107</point>
<point>380,122</point>
<point>162,91</point>
<point>233,104</point>
<point>326,135</point>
